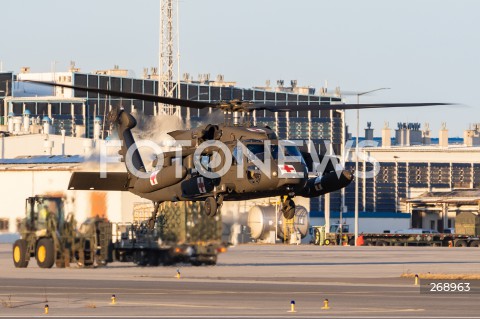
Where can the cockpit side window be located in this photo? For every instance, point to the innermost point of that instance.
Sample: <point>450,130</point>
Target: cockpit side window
<point>259,151</point>
<point>285,151</point>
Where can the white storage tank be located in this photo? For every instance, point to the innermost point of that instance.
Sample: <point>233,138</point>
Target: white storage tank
<point>300,222</point>
<point>46,121</point>
<point>97,128</point>
<point>11,115</point>
<point>26,121</point>
<point>261,220</point>
<point>17,124</point>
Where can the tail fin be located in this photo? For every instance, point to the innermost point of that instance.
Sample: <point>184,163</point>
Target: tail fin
<point>124,122</point>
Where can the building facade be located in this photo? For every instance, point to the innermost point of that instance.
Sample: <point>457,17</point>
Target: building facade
<point>408,173</point>
<point>79,107</point>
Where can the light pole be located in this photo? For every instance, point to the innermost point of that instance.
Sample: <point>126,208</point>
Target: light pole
<point>356,159</point>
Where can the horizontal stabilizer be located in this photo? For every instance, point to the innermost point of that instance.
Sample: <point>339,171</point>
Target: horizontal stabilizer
<point>115,181</point>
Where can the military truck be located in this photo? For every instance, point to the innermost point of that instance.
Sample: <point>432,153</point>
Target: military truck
<point>52,238</point>
<point>181,233</point>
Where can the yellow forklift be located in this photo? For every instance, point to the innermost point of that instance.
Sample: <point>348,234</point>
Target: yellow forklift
<point>51,238</point>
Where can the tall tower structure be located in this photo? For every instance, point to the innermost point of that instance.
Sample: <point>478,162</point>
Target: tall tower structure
<point>169,56</point>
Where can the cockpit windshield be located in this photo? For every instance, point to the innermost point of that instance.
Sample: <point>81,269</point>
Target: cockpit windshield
<point>285,150</point>
<point>276,151</point>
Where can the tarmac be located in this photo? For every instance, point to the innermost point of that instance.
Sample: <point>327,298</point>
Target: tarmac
<point>249,281</point>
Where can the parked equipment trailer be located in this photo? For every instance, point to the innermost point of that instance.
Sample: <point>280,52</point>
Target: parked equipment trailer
<point>412,237</point>
<point>181,233</point>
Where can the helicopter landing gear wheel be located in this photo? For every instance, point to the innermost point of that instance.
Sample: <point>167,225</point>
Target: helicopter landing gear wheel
<point>210,206</point>
<point>288,208</point>
<point>213,206</point>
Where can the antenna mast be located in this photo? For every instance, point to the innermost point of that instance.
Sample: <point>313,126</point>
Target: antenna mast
<point>169,56</point>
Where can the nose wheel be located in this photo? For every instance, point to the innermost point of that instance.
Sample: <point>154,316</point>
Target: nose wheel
<point>288,208</point>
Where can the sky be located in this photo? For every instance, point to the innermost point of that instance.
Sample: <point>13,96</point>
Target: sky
<point>423,50</point>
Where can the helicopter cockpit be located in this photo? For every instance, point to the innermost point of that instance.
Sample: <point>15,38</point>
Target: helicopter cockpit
<point>285,151</point>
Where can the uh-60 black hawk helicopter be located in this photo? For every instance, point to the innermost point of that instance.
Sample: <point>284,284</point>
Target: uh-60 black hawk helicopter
<point>223,162</point>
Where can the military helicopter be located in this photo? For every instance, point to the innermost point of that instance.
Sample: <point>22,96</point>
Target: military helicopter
<point>222,162</point>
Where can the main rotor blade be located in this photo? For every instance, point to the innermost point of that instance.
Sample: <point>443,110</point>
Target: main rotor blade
<point>235,105</point>
<point>283,107</point>
<point>132,95</point>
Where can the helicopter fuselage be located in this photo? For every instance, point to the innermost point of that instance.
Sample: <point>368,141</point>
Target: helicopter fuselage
<point>235,163</point>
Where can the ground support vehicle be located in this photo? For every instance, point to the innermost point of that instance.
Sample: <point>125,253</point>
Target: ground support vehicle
<point>341,235</point>
<point>180,234</point>
<point>51,238</point>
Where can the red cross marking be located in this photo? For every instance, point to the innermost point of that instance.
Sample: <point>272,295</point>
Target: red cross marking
<point>153,178</point>
<point>201,185</point>
<point>289,168</point>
